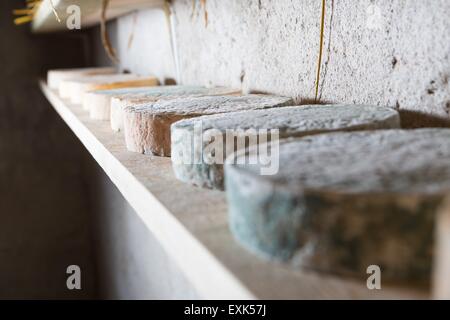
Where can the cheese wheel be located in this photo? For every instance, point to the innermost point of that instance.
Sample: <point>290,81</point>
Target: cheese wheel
<point>195,136</point>
<point>98,102</point>
<point>147,126</point>
<point>342,202</point>
<point>118,103</point>
<point>55,77</point>
<point>74,89</point>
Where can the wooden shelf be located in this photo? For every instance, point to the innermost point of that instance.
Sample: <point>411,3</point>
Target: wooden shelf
<point>191,225</point>
<point>45,20</point>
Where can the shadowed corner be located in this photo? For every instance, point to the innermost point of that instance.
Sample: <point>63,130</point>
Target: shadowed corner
<point>170,82</point>
<point>297,100</point>
<point>416,119</point>
<point>307,101</point>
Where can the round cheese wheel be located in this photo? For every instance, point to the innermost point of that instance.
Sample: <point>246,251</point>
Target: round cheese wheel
<point>341,202</point>
<point>198,136</point>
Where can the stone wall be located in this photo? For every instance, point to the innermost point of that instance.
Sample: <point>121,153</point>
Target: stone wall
<point>394,53</point>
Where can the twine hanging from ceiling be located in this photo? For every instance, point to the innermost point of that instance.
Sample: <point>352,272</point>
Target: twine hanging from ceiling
<point>54,11</point>
<point>319,62</point>
<point>110,51</point>
<point>205,12</point>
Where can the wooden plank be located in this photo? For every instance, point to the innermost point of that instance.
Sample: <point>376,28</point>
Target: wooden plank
<point>193,227</point>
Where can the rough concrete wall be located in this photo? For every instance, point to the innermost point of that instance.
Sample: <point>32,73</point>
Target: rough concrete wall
<point>394,53</point>
<point>142,41</point>
<point>43,213</point>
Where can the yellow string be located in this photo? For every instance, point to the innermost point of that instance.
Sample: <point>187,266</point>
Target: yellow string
<point>319,63</point>
<point>205,13</point>
<point>22,20</point>
<point>21,12</point>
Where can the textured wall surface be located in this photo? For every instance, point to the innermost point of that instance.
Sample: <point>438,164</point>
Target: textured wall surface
<point>394,53</point>
<point>43,212</point>
<point>142,41</point>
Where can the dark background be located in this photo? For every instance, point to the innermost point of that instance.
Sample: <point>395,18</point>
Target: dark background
<point>43,209</point>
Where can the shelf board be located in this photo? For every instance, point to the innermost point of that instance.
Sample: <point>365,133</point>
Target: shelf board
<point>191,225</point>
<point>45,20</point>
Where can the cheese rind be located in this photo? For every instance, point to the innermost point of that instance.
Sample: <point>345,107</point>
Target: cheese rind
<point>98,102</point>
<point>55,77</point>
<point>118,103</point>
<point>147,126</point>
<point>74,89</point>
<point>344,201</point>
<point>295,121</point>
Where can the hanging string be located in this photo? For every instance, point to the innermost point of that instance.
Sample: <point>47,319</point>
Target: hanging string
<point>104,34</point>
<point>194,2</point>
<point>319,63</point>
<point>133,29</point>
<point>168,12</point>
<point>205,12</point>
<point>54,11</point>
